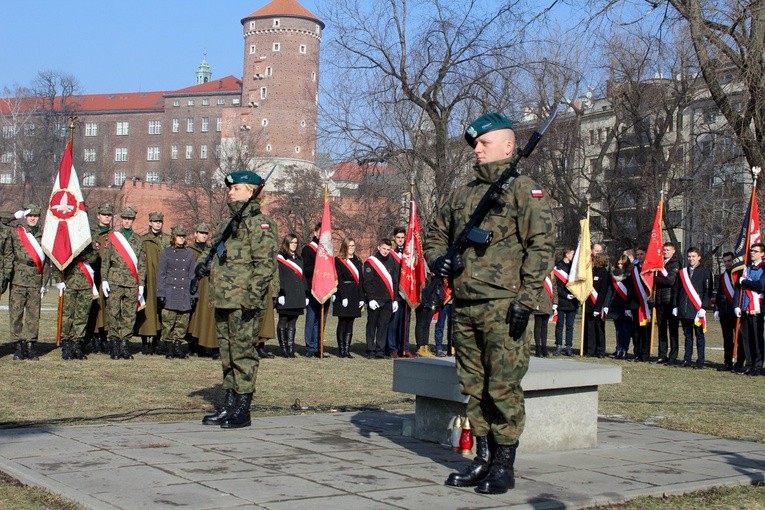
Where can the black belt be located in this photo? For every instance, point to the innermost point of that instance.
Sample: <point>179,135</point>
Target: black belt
<point>31,263</point>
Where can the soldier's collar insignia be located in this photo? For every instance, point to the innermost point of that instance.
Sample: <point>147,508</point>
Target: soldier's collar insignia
<point>537,193</point>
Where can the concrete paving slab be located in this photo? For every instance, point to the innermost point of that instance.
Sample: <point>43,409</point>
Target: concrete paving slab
<point>353,460</point>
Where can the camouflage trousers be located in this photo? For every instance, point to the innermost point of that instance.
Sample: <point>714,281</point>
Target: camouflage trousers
<point>121,309</point>
<point>174,325</point>
<point>24,308</point>
<point>74,319</point>
<point>237,330</point>
<point>490,366</point>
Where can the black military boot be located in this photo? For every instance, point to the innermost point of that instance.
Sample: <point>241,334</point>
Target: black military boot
<point>501,476</point>
<point>281,336</point>
<point>77,350</point>
<point>95,346</point>
<point>168,350</point>
<point>30,354</point>
<point>240,415</point>
<point>114,352</point>
<point>19,354</point>
<point>66,349</point>
<point>347,337</point>
<point>291,341</point>
<point>178,351</point>
<point>102,345</point>
<point>229,399</point>
<point>154,349</point>
<point>124,349</point>
<point>477,470</point>
<point>145,348</point>
<point>262,352</point>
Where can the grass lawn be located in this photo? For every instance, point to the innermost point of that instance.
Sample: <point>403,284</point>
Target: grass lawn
<point>54,392</point>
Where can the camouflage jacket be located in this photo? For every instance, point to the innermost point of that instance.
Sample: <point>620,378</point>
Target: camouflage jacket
<point>520,254</point>
<point>243,279</point>
<point>114,268</point>
<point>72,274</point>
<point>6,252</point>
<point>100,241</point>
<point>25,271</point>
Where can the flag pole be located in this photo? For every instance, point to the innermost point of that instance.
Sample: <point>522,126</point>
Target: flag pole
<point>321,314</point>
<point>736,335</point>
<point>407,309</point>
<point>60,321</point>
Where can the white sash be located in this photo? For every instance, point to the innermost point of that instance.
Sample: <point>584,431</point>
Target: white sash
<point>351,267</point>
<point>690,290</point>
<point>385,276</point>
<point>561,275</point>
<point>290,264</point>
<point>33,248</point>
<point>728,289</point>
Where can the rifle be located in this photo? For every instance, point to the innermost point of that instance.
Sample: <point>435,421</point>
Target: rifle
<point>202,269</point>
<point>471,234</point>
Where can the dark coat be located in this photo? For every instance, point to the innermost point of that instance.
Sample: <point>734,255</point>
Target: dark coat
<point>308,254</point>
<point>666,285</point>
<point>701,279</point>
<point>618,305</point>
<point>564,304</point>
<point>174,274</point>
<point>722,304</point>
<point>374,287</point>
<point>291,285</point>
<point>601,283</point>
<point>348,288</point>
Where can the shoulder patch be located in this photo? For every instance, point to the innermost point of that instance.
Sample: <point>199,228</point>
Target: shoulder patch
<point>537,193</point>
<point>265,226</point>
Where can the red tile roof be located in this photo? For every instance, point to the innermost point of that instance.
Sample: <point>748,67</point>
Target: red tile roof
<point>227,84</point>
<point>288,8</point>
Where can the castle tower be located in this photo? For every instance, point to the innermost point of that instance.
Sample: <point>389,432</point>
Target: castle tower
<point>204,73</point>
<point>280,83</point>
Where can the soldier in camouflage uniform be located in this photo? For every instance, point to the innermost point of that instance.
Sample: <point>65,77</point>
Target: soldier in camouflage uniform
<point>100,235</point>
<point>6,249</point>
<point>79,288</point>
<point>240,276</point>
<point>148,321</point>
<point>493,285</point>
<point>123,270</point>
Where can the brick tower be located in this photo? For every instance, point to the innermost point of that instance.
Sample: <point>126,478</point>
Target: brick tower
<point>277,120</point>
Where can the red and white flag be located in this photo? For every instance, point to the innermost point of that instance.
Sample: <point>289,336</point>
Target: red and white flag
<point>324,282</point>
<point>413,265</point>
<point>654,259</point>
<point>66,232</point>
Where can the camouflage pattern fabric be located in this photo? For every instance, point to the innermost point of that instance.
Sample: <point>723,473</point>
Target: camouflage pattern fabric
<point>115,270</point>
<point>98,310</point>
<point>25,272</point>
<point>174,325</point>
<point>238,357</point>
<point>76,313</point>
<point>25,312</point>
<point>121,307</point>
<point>6,252</point>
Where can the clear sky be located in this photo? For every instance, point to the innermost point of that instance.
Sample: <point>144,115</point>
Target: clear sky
<point>123,45</point>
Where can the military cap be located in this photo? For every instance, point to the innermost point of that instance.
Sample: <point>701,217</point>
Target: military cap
<point>243,177</point>
<point>7,216</point>
<point>106,209</point>
<point>156,216</point>
<point>127,212</point>
<point>179,230</point>
<point>34,210</point>
<point>203,227</point>
<point>484,124</point>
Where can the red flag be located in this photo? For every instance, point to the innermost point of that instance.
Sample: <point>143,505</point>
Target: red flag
<point>654,260</point>
<point>749,235</point>
<point>413,265</point>
<point>324,282</point>
<point>67,231</point>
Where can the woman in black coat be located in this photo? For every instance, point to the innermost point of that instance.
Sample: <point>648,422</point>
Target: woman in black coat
<point>350,296</point>
<point>292,298</point>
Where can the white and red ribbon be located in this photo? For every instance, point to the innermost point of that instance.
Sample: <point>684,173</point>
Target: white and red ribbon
<point>90,276</point>
<point>351,267</point>
<point>385,276</point>
<point>34,250</point>
<point>290,264</point>
<point>131,260</point>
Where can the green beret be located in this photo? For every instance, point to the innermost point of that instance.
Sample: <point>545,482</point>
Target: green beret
<point>180,230</point>
<point>34,210</point>
<point>243,177</point>
<point>484,124</point>
<point>106,209</point>
<point>203,227</point>
<point>127,212</point>
<point>156,216</point>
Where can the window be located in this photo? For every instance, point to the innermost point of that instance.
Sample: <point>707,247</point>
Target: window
<point>277,22</point>
<point>269,71</point>
<point>189,151</point>
<point>120,154</point>
<point>155,127</point>
<point>89,180</point>
<point>173,152</point>
<point>6,178</point>
<point>268,148</point>
<point>264,122</point>
<point>592,137</point>
<point>119,178</point>
<point>28,155</point>
<point>176,125</point>
<point>302,123</point>
<point>252,49</point>
<point>123,128</point>
<point>252,25</point>
<point>303,49</point>
<point>235,101</point>
<point>313,76</point>
<point>190,125</point>
<point>176,102</point>
<point>89,155</point>
<point>7,157</point>
<point>190,102</point>
<point>152,176</point>
<point>205,124</point>
<point>263,92</point>
<point>152,154</point>
<point>203,152</point>
<point>8,131</point>
<point>205,102</point>
<point>217,150</point>
<point>297,150</point>
<point>221,101</point>
<point>218,124</point>
<point>91,129</point>
<point>29,129</point>
<point>276,47</point>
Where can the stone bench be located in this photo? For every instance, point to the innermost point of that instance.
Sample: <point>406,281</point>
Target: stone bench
<point>561,400</point>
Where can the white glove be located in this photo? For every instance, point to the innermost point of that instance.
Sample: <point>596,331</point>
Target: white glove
<point>555,307</point>
<point>674,311</point>
<point>307,301</point>
<point>21,213</point>
<point>702,313</point>
<point>105,288</point>
<point>737,311</point>
<point>344,302</point>
<point>595,314</point>
<point>569,296</point>
<point>280,300</point>
<point>605,311</point>
<point>361,304</point>
<point>628,313</point>
<point>333,298</point>
<point>374,305</point>
<point>395,306</point>
<point>140,290</point>
<point>43,290</point>
<point>717,315</point>
<point>61,286</point>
